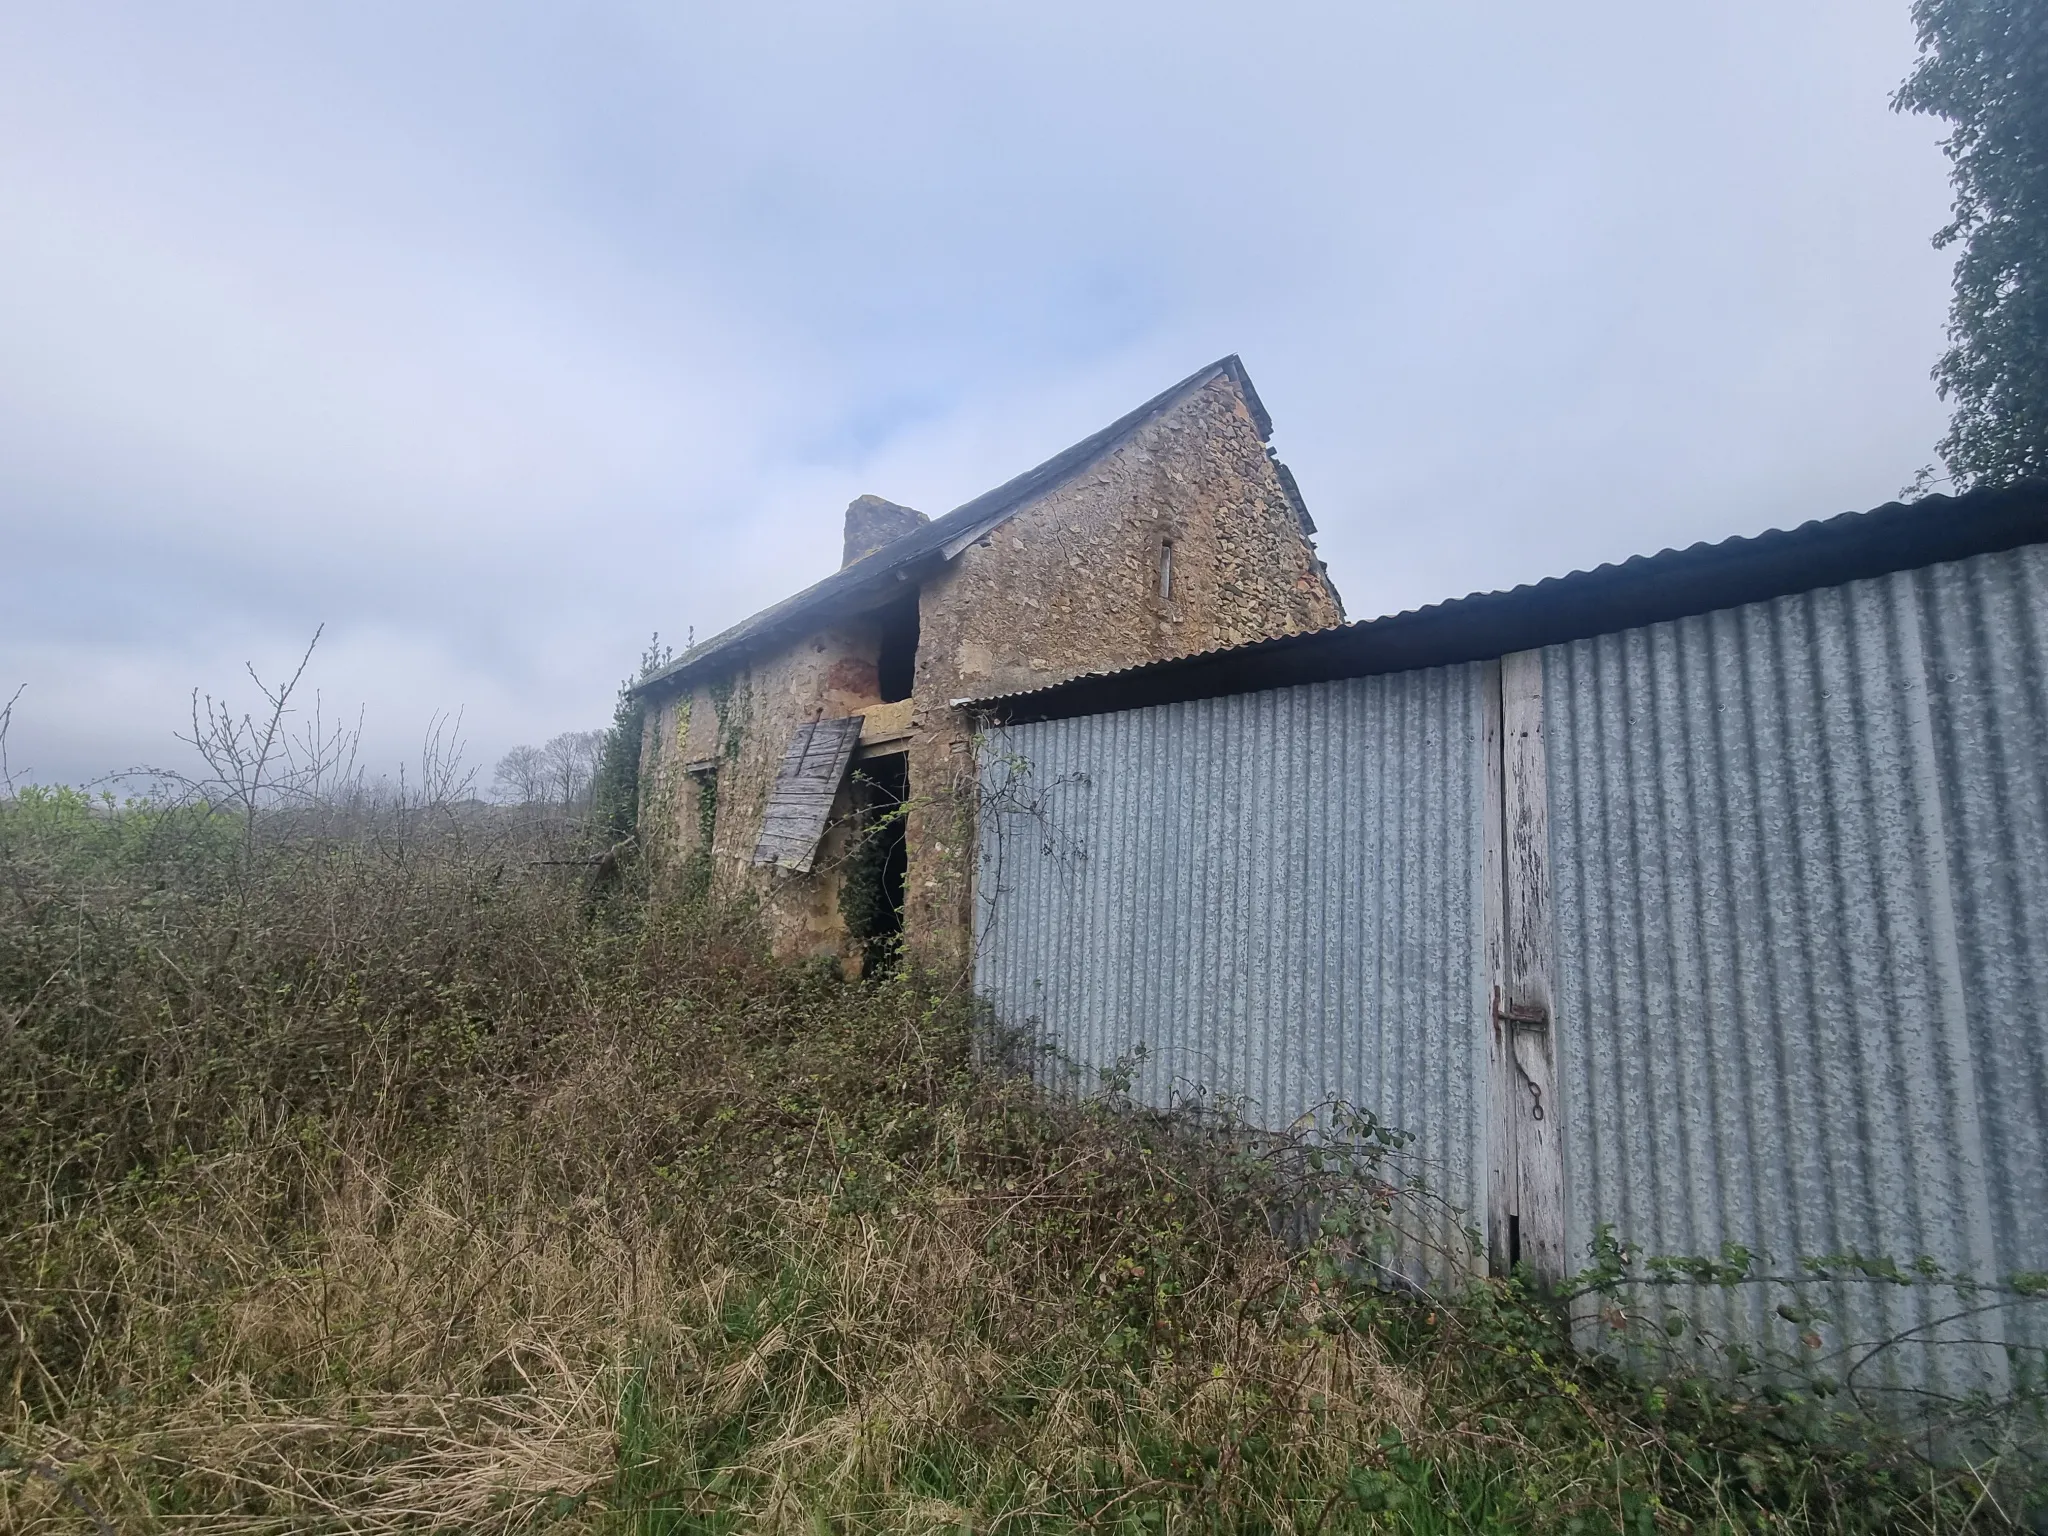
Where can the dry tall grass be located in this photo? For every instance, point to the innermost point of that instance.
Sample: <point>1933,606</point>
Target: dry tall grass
<point>376,1178</point>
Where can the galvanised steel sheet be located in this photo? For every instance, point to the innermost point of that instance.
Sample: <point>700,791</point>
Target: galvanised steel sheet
<point>1800,856</point>
<point>1276,896</point>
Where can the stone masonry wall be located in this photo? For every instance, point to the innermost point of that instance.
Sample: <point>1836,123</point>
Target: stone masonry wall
<point>744,723</point>
<point>1069,584</point>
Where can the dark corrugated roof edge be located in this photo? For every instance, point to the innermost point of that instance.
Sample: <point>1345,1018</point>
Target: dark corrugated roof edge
<point>870,581</point>
<point>1647,589</point>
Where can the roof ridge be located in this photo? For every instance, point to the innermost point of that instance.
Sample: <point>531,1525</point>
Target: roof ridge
<point>943,535</point>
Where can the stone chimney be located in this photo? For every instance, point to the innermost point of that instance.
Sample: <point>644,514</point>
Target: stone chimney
<point>872,523</point>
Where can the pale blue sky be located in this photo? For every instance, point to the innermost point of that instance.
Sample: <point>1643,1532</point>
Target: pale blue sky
<point>495,336</point>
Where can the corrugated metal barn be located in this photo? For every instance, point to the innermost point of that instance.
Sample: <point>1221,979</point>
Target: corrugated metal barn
<point>1704,896</point>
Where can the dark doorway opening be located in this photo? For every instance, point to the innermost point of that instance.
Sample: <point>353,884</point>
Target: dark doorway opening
<point>871,899</point>
<point>896,663</point>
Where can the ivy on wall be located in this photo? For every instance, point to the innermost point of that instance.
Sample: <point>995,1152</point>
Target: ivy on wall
<point>615,791</point>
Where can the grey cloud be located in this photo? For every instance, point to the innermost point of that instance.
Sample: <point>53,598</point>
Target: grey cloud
<point>497,336</point>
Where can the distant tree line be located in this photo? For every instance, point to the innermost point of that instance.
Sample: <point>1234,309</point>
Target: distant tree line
<point>592,772</point>
<point>558,772</point>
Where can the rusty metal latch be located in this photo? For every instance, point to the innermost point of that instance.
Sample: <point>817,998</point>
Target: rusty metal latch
<point>1535,1018</point>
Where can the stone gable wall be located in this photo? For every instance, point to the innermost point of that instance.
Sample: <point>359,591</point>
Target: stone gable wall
<point>1069,584</point>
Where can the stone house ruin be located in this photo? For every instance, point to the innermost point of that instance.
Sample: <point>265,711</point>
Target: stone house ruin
<point>814,755</point>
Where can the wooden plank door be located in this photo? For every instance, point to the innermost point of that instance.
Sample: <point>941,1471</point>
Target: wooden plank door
<point>1525,1156</point>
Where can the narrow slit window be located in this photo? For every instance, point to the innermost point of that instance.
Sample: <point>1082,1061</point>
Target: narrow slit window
<point>1165,569</point>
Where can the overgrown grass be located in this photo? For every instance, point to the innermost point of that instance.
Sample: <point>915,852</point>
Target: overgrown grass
<point>376,1178</point>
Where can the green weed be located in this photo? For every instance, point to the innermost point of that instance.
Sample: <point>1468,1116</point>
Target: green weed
<point>434,1197</point>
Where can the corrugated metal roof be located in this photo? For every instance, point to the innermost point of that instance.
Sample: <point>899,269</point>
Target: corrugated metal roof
<point>873,580</point>
<point>1647,589</point>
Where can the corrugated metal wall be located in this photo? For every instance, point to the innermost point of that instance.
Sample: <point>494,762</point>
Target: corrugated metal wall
<point>1275,894</point>
<point>1800,860</point>
<point>1800,856</point>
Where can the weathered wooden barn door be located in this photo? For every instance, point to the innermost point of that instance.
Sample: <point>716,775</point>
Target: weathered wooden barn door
<point>1525,1158</point>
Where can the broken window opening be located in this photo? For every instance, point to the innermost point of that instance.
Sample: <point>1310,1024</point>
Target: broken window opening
<point>896,662</point>
<point>1165,569</point>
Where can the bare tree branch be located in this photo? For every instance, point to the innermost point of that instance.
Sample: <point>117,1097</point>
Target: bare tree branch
<point>7,720</point>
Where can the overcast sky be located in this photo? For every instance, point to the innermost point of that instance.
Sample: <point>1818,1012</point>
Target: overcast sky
<point>496,336</point>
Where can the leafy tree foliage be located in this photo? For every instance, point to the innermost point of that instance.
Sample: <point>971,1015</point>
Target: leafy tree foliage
<point>615,791</point>
<point>1984,68</point>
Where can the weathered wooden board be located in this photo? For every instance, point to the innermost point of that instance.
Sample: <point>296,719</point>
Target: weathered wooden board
<point>805,786</point>
<point>1529,1162</point>
<point>886,722</point>
<point>1503,1207</point>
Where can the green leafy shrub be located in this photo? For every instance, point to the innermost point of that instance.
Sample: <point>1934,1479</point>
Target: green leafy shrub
<point>389,1186</point>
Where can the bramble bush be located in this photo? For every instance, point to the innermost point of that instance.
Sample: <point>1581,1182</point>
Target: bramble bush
<point>364,1175</point>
